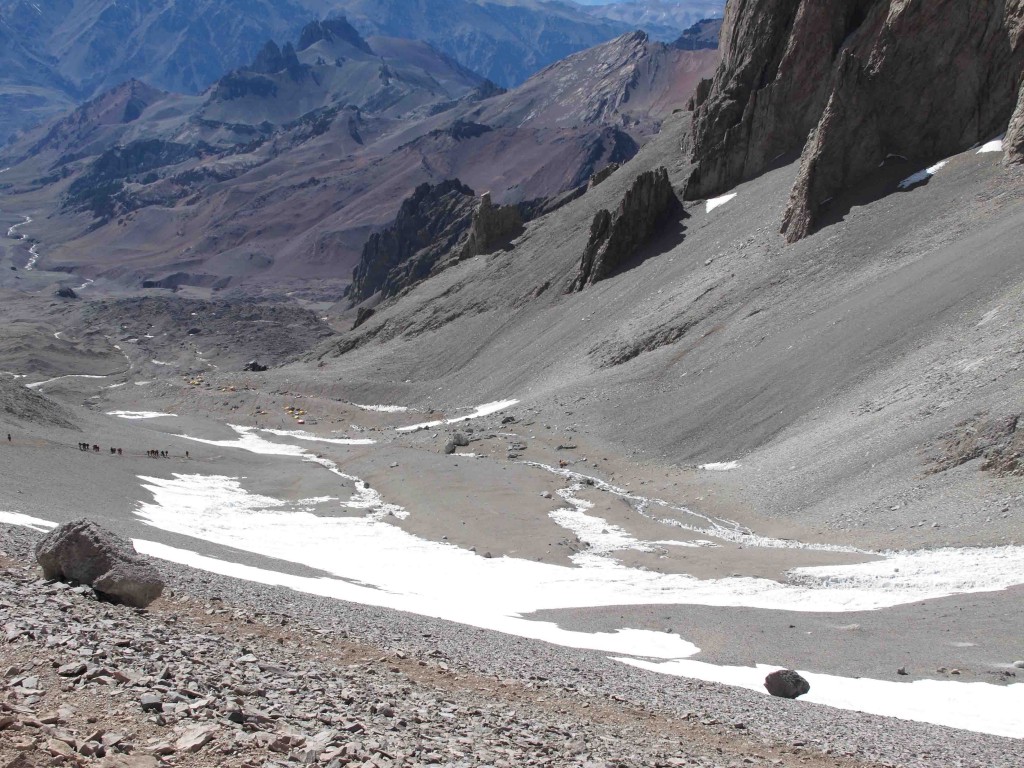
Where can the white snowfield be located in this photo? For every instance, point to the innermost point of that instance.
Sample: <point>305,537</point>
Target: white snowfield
<point>482,410</point>
<point>718,202</point>
<point>367,560</point>
<point>382,408</point>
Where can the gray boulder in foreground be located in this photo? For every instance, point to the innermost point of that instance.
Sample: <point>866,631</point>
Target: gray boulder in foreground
<point>786,683</point>
<point>82,551</point>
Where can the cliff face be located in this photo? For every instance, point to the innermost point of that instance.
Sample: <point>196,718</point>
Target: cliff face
<point>848,82</point>
<point>1014,142</point>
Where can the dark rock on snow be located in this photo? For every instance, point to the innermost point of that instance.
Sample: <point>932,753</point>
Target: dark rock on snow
<point>786,683</point>
<point>84,552</point>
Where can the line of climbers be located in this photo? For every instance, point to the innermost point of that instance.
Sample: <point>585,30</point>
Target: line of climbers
<point>155,454</point>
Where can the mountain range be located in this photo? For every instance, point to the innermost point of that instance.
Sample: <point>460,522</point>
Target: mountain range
<point>58,54</point>
<point>282,169</point>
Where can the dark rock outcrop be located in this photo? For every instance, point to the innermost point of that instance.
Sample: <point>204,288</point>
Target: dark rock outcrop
<point>65,293</point>
<point>330,30</point>
<point>702,36</point>
<point>254,366</point>
<point>786,684</point>
<point>615,238</point>
<point>272,59</point>
<point>493,227</point>
<point>84,552</point>
<point>603,174</point>
<point>848,82</point>
<point>439,225</point>
<point>998,441</point>
<point>429,226</point>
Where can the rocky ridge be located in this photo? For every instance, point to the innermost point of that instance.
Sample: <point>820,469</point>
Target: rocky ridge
<point>850,84</point>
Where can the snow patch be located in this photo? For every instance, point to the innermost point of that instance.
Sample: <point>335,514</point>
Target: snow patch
<point>922,176</point>
<point>382,408</point>
<point>33,258</point>
<point>481,410</point>
<point>996,145</point>
<point>38,384</point>
<point>25,521</point>
<point>718,202</point>
<point>139,414</point>
<point>299,435</point>
<point>720,466</point>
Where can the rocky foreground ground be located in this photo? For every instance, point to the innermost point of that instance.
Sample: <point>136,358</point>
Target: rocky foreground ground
<point>218,673</point>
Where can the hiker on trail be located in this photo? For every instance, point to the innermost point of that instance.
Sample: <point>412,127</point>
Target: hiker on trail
<point>8,437</point>
<point>186,454</point>
<point>118,451</point>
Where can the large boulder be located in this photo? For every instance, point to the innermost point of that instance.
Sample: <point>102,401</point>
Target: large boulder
<point>786,684</point>
<point>82,551</point>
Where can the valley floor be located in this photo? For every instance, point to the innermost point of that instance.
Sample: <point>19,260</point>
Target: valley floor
<point>594,598</point>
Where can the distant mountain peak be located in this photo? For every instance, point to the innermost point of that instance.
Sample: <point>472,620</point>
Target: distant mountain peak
<point>701,36</point>
<point>330,30</point>
<point>273,59</point>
